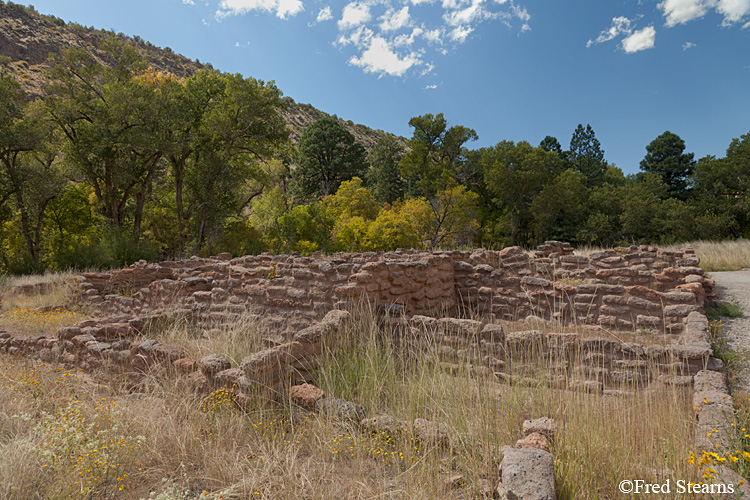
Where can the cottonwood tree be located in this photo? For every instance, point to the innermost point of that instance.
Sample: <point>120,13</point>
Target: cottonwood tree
<point>242,130</point>
<point>29,177</point>
<point>436,156</point>
<point>515,173</point>
<point>107,117</point>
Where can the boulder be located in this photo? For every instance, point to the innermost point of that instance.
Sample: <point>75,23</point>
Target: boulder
<point>305,395</point>
<point>212,364</point>
<point>526,474</point>
<point>341,409</point>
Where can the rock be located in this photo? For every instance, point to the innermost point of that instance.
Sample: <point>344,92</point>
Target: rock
<point>305,395</point>
<point>185,365</point>
<point>533,440</point>
<point>81,340</point>
<point>121,345</point>
<point>430,432</point>
<point>341,409</point>
<point>166,352</point>
<point>146,346</point>
<point>526,474</point>
<point>227,378</point>
<point>212,364</point>
<point>544,426</point>
<point>384,424</point>
<point>98,347</point>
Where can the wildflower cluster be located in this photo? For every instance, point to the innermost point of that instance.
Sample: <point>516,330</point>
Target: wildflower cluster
<point>84,444</point>
<point>218,402</point>
<point>32,320</point>
<point>269,272</point>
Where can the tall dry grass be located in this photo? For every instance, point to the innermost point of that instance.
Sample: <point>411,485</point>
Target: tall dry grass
<point>727,255</point>
<point>164,440</point>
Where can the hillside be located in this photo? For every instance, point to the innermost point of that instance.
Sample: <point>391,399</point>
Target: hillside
<point>28,38</point>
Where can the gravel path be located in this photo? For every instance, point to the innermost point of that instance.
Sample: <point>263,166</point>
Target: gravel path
<point>735,285</point>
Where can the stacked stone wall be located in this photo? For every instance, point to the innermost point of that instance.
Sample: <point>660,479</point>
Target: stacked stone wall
<point>630,288</point>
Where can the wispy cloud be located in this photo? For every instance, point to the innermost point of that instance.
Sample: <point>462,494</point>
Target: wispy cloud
<point>394,20</point>
<point>431,87</point>
<point>619,26</point>
<point>282,8</point>
<point>188,2</point>
<point>393,37</point>
<point>325,14</point>
<point>632,40</point>
<point>687,45</point>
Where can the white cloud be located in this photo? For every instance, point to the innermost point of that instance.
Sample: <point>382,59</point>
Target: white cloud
<point>353,15</point>
<point>619,26</point>
<point>282,8</point>
<point>430,87</point>
<point>394,20</point>
<point>409,39</point>
<point>683,11</point>
<point>467,15</point>
<point>325,14</point>
<point>460,33</point>
<point>734,11</point>
<point>687,45</point>
<point>391,37</point>
<point>359,37</point>
<point>639,40</point>
<point>188,2</point>
<point>379,57</point>
<point>433,36</point>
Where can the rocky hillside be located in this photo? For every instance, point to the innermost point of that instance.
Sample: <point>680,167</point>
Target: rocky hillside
<point>28,38</point>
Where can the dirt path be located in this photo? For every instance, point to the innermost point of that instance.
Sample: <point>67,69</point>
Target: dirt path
<point>735,285</point>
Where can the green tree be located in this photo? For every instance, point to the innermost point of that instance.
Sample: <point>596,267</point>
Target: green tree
<point>436,156</point>
<point>666,157</point>
<point>402,225</point>
<point>108,120</point>
<point>454,218</point>
<point>27,161</point>
<point>550,143</point>
<point>240,132</point>
<point>586,155</point>
<point>384,175</point>
<point>559,208</point>
<point>722,186</point>
<point>328,155</point>
<point>641,208</point>
<point>515,174</point>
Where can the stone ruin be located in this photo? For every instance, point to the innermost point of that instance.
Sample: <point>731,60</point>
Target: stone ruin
<point>454,298</point>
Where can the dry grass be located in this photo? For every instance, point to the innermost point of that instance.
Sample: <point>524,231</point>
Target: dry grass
<point>63,436</point>
<point>59,291</point>
<point>728,255</point>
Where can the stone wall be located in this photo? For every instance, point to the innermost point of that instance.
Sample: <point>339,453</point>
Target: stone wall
<point>625,288</point>
<point>565,360</point>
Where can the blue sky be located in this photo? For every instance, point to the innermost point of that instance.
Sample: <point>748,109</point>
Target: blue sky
<point>510,69</point>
